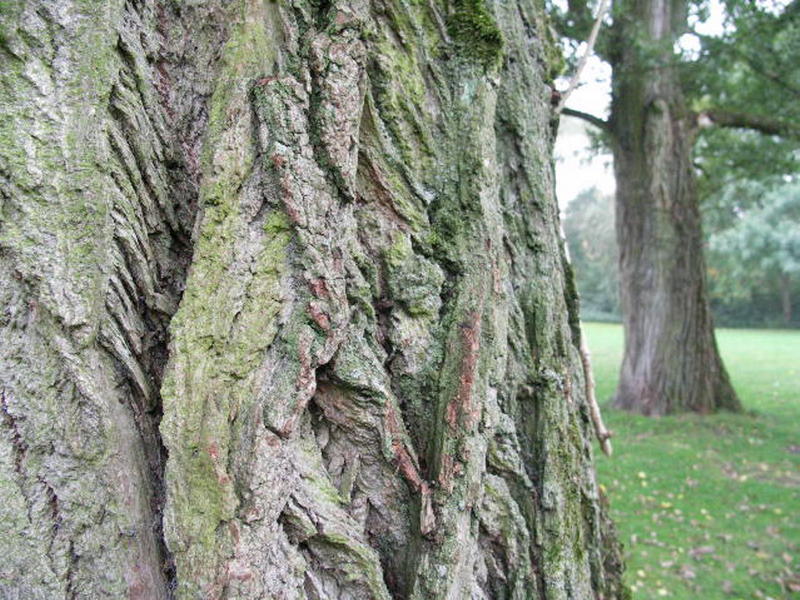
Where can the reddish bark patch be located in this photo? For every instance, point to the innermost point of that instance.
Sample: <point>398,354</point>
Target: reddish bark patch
<point>461,406</point>
<point>222,475</point>
<point>293,213</point>
<point>278,159</point>
<point>451,414</point>
<point>305,375</point>
<point>240,573</point>
<point>213,451</point>
<point>137,590</point>
<point>163,86</point>
<point>450,468</point>
<point>234,530</point>
<point>408,467</point>
<point>402,456</point>
<point>319,288</point>
<point>320,318</point>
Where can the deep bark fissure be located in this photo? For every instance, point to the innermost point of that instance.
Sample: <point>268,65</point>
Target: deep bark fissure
<point>156,313</point>
<point>17,441</point>
<point>150,256</point>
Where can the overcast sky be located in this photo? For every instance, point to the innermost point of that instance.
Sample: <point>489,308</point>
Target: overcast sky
<point>576,168</point>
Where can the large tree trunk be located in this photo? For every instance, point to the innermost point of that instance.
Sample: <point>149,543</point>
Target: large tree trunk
<point>671,362</point>
<point>285,309</point>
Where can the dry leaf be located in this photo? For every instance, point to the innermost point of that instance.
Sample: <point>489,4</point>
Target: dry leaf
<point>687,572</point>
<point>701,551</point>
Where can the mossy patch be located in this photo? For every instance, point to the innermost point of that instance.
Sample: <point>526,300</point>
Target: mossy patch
<point>414,281</point>
<point>475,32</point>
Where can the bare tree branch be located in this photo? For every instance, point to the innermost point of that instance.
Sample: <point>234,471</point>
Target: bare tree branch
<point>601,12</point>
<point>736,120</point>
<point>596,121</point>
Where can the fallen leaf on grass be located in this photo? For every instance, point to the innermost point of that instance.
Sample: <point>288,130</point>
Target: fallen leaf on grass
<point>696,553</point>
<point>792,584</point>
<point>687,572</point>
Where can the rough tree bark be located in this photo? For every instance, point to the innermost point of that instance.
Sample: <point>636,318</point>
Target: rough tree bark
<point>285,309</point>
<point>671,362</point>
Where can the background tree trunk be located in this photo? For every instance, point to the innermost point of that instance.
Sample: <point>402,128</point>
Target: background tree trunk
<point>785,284</point>
<point>368,385</point>
<point>671,362</point>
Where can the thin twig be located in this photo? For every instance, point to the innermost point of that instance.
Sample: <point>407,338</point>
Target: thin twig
<point>601,12</point>
<point>603,434</point>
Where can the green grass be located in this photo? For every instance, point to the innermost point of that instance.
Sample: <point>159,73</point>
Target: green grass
<point>709,507</point>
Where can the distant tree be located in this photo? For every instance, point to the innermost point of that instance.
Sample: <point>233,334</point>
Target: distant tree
<point>592,242</point>
<point>760,250</point>
<point>671,361</point>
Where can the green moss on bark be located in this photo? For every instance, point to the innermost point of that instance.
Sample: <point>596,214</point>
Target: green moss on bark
<point>475,32</point>
<point>228,314</point>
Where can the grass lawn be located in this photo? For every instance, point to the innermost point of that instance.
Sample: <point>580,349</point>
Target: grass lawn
<point>709,507</point>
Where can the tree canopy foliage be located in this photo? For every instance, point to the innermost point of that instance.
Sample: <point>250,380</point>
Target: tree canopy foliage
<point>754,262</point>
<point>747,80</point>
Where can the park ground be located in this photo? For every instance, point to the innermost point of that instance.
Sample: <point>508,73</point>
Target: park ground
<point>708,507</point>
